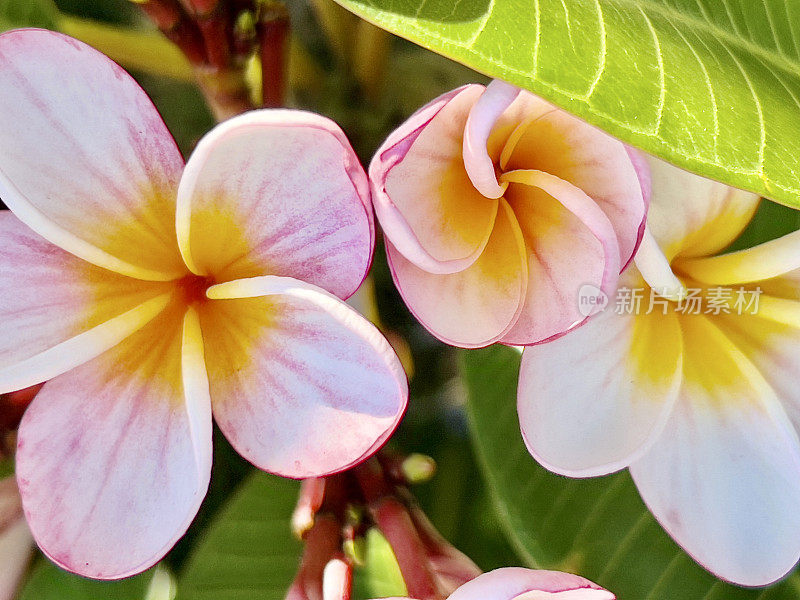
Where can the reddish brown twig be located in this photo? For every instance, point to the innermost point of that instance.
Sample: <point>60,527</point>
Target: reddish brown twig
<point>272,29</point>
<point>212,36</point>
<point>373,494</point>
<point>12,407</point>
<point>177,26</point>
<point>322,545</point>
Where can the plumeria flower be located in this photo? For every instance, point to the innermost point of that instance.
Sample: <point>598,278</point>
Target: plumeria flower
<point>498,207</point>
<point>515,583</point>
<point>150,295</point>
<point>695,389</point>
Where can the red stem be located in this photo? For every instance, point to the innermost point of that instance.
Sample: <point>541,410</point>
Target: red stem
<point>272,29</point>
<point>216,30</point>
<point>394,521</point>
<point>178,27</point>
<point>12,407</point>
<point>202,8</point>
<point>398,528</point>
<point>322,544</point>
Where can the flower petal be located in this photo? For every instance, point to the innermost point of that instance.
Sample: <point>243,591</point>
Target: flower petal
<point>592,401</point>
<point>113,458</point>
<point>277,192</point>
<point>511,583</point>
<point>656,269</point>
<point>570,242</point>
<point>558,143</point>
<point>494,101</point>
<point>424,199</point>
<point>301,384</point>
<point>58,311</point>
<point>694,216</point>
<point>87,161</point>
<point>764,261</point>
<point>476,306</point>
<point>724,477</point>
<point>771,346</point>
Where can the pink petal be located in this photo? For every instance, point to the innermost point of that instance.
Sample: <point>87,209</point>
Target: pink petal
<point>58,311</point>
<point>570,242</point>
<point>595,399</point>
<point>424,199</point>
<point>515,582</point>
<point>302,385</point>
<point>497,97</point>
<point>564,146</point>
<point>474,307</point>
<point>642,168</point>
<point>724,477</point>
<point>87,161</point>
<point>277,192</point>
<point>114,457</point>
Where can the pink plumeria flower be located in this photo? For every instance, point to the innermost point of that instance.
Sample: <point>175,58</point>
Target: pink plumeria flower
<point>498,207</point>
<point>695,389</point>
<point>516,583</point>
<point>150,295</point>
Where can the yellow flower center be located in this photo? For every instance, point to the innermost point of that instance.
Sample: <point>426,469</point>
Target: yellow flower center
<point>192,289</point>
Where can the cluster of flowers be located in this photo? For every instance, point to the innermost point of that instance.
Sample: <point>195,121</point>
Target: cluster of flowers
<point>498,209</point>
<point>151,295</point>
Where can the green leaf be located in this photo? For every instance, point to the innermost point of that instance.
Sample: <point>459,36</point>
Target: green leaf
<point>48,582</point>
<point>711,85</point>
<point>248,551</point>
<point>380,576</point>
<point>771,221</point>
<point>598,527</point>
<point>28,13</point>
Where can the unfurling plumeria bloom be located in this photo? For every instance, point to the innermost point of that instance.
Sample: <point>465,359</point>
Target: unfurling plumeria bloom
<point>695,389</point>
<point>144,322</point>
<point>515,583</point>
<point>498,207</point>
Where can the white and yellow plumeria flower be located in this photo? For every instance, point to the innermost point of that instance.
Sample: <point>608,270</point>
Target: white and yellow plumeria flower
<point>699,397</point>
<point>145,323</point>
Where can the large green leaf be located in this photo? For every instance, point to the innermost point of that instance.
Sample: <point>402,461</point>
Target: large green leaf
<point>248,551</point>
<point>48,582</point>
<point>712,85</point>
<point>596,527</point>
